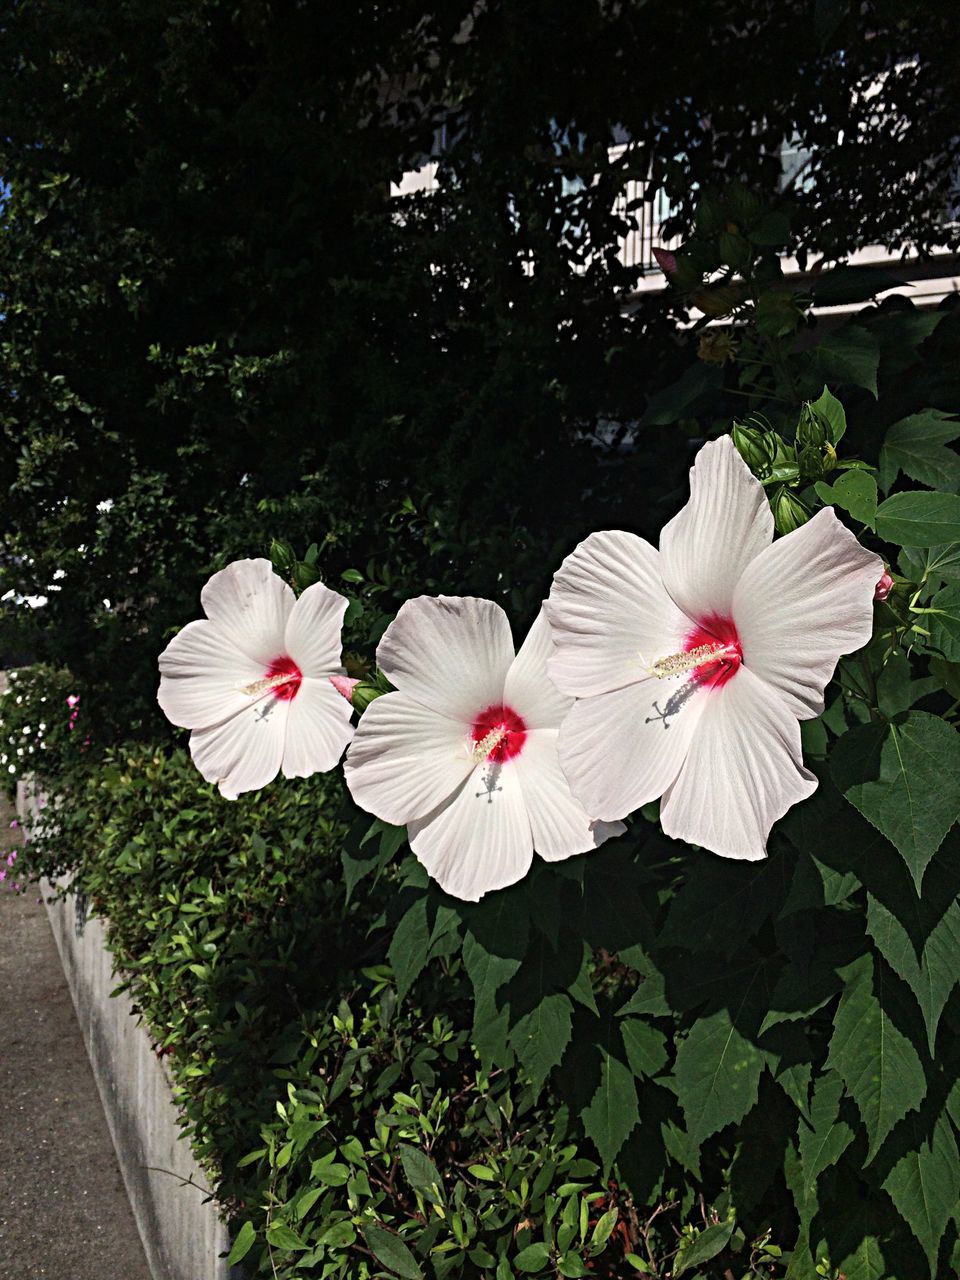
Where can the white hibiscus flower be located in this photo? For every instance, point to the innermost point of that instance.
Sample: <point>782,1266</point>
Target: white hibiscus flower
<point>464,754</point>
<point>252,679</point>
<point>693,665</point>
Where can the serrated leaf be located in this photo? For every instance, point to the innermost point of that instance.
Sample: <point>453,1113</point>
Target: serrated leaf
<point>944,623</point>
<point>720,904</point>
<point>854,491</point>
<point>905,780</point>
<point>717,1073</point>
<point>850,355</point>
<point>823,1140</point>
<point>921,951</point>
<point>493,948</point>
<point>919,519</point>
<point>924,1183</point>
<point>391,1251</point>
<point>876,1061</point>
<point>410,946</point>
<point>242,1244</point>
<point>613,1110</point>
<point>540,1036</point>
<point>645,1045</point>
<point>918,446</point>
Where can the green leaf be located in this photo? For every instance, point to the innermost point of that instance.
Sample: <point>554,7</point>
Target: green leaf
<point>493,948</point>
<point>847,284</point>
<point>391,1251</point>
<point>876,1061</point>
<point>897,691</point>
<point>944,625</point>
<point>410,946</point>
<point>706,1245</point>
<point>717,1073</point>
<point>242,1244</point>
<point>919,937</point>
<point>924,1183</point>
<point>613,1110</point>
<point>919,519</point>
<point>854,491</point>
<point>905,779</point>
<point>918,446</point>
<point>422,1174</point>
<point>339,1236</point>
<point>832,414</point>
<point>283,1237</point>
<point>352,575</point>
<point>540,1036</point>
<point>720,904</point>
<point>823,1140</point>
<point>850,355</point>
<point>533,1258</point>
<point>646,1047</point>
<point>679,399</point>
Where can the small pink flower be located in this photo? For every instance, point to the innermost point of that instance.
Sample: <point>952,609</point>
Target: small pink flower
<point>666,261</point>
<point>884,586</point>
<point>11,858</point>
<point>72,699</point>
<point>344,685</point>
<point>14,824</point>
<point>3,875</point>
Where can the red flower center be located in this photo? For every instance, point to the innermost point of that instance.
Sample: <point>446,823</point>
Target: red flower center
<point>287,675</point>
<point>505,731</point>
<point>718,668</point>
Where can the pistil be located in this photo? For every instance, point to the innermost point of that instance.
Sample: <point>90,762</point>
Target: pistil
<point>679,663</point>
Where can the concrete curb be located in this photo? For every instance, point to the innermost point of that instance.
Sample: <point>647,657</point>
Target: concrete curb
<point>178,1222</point>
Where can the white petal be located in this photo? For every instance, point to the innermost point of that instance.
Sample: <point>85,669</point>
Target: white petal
<point>244,752</point>
<point>250,604</point>
<point>560,825</point>
<point>801,604</point>
<point>405,759</point>
<point>622,749</point>
<point>706,547</point>
<point>312,637</point>
<point>610,614</point>
<point>480,838</point>
<point>743,771</point>
<point>450,653</point>
<point>202,673</point>
<point>318,729</point>
<point>528,689</point>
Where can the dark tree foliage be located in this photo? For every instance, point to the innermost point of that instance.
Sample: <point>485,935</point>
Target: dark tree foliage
<point>208,293</point>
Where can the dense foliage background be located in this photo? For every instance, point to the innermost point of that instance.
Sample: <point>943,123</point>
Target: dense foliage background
<point>219,331</point>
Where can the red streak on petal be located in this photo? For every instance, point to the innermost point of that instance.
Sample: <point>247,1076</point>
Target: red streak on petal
<point>501,716</point>
<point>287,668</point>
<point>715,629</point>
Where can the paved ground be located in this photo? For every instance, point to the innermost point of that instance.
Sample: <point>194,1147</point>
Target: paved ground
<point>64,1214</point>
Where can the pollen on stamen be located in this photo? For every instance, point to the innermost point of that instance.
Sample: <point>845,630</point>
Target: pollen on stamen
<point>489,742</point>
<point>677,664</point>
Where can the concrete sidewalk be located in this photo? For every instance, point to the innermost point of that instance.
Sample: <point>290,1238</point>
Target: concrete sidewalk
<point>64,1213</point>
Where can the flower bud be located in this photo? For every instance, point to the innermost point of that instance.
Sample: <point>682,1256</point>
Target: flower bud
<point>716,347</point>
<point>364,694</point>
<point>344,685</point>
<point>789,512</point>
<point>666,261</point>
<point>884,586</point>
<point>282,556</point>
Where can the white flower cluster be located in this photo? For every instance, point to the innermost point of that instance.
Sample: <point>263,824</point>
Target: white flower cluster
<point>677,674</point>
<point>18,742</point>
